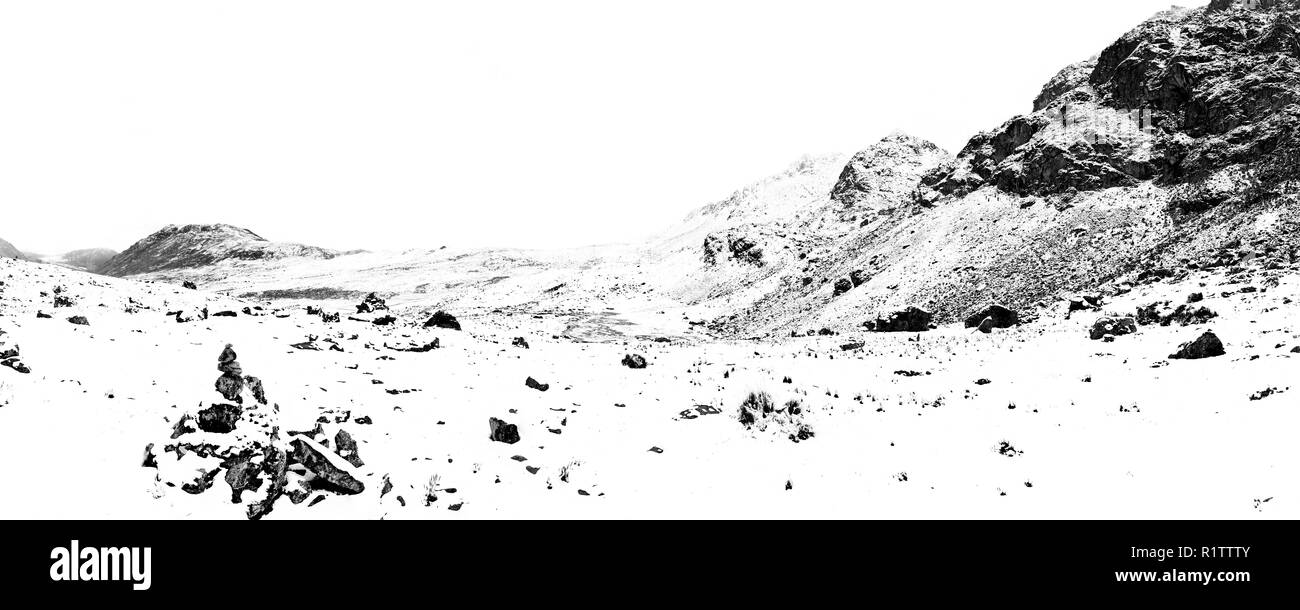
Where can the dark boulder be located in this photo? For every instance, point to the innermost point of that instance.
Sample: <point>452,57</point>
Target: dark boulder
<point>634,361</point>
<point>443,319</point>
<point>189,286</point>
<point>842,286</point>
<point>1003,317</point>
<point>1112,327</point>
<point>79,320</point>
<point>502,432</point>
<point>1207,345</point>
<point>910,320</point>
<point>537,385</point>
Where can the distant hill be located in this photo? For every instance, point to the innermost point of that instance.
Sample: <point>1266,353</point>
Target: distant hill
<point>191,246</point>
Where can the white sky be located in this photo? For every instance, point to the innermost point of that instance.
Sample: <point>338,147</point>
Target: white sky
<point>389,124</point>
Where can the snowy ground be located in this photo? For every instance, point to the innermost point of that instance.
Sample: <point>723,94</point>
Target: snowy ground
<point>1143,437</point>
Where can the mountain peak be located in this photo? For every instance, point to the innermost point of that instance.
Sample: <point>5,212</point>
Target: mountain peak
<point>198,245</point>
<point>884,173</point>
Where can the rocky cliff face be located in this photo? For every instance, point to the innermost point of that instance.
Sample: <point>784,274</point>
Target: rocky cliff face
<point>1185,95</point>
<point>183,247</point>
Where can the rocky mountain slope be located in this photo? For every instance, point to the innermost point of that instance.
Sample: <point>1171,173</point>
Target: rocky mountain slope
<point>1174,149</point>
<point>191,246</point>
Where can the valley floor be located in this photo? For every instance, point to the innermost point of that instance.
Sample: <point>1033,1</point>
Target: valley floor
<point>1037,421</point>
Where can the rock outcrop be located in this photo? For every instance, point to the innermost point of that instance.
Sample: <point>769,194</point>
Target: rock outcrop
<point>1182,96</point>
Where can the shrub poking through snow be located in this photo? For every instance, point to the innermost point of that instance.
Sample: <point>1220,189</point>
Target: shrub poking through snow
<point>759,413</point>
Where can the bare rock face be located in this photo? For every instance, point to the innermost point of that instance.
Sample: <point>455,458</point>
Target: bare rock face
<point>1207,345</point>
<point>1185,94</point>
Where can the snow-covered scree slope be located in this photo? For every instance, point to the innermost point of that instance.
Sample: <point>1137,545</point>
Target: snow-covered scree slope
<point>115,417</point>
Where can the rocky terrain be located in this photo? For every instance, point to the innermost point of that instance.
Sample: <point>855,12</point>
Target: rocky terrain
<point>1087,312</point>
